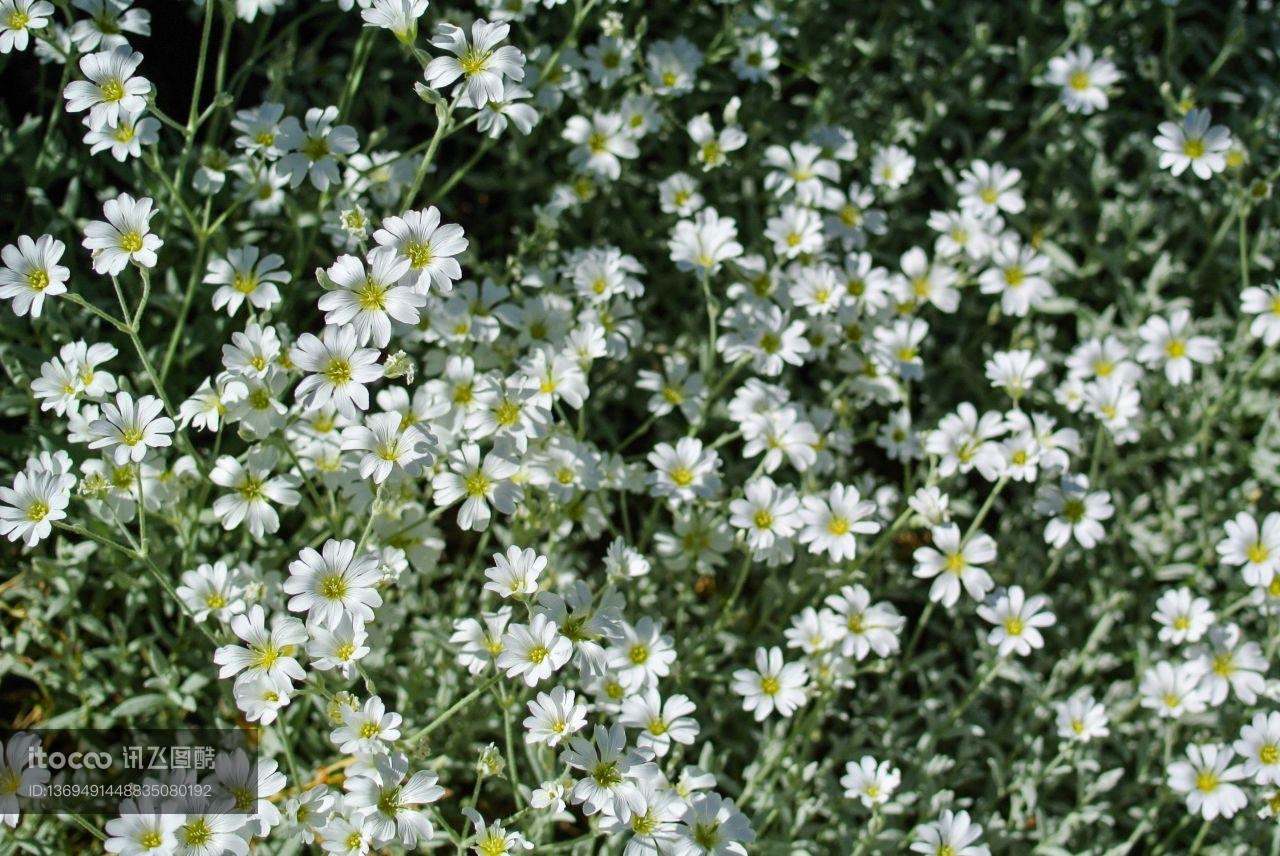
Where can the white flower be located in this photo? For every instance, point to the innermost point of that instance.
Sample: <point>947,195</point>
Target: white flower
<point>609,768</point>
<point>128,428</point>
<point>1254,549</point>
<point>310,150</point>
<point>1166,344</point>
<point>1084,79</point>
<point>126,138</point>
<point>339,370</point>
<point>253,490</point>
<point>953,834</point>
<point>1229,664</point>
<point>952,563</point>
<point>33,504</point>
<point>212,589</point>
<point>1076,512</point>
<point>1259,746</point>
<point>340,647</point>
<point>1017,274</point>
<point>334,583</point>
<point>478,484</point>
<point>600,144</point>
<point>641,654</point>
<point>398,16</point>
<point>368,730</point>
<point>480,61</point>
<point>713,826</point>
<point>142,831</point>
<point>1182,617</point>
<point>1193,143</point>
<point>554,717</point>
<point>267,652</point>
<point>245,274</point>
<point>31,273</point>
<point>712,147</point>
<point>125,237</point>
<point>988,189</point>
<point>1263,302</point>
<point>388,444</point>
<point>795,231</point>
<point>534,651</point>
<point>1206,780</point>
<point>1014,371</point>
<point>684,472</point>
<point>111,87</point>
<point>1172,691</point>
<point>370,301</point>
<point>387,800</point>
<point>428,245</point>
<point>892,167</point>
<point>493,839</point>
<point>18,777</point>
<point>1017,619</point>
<point>830,523</point>
<point>870,782</point>
<point>766,513</point>
<point>18,18</point>
<point>773,685</point>
<point>660,722</point>
<point>516,573</point>
<point>1082,719</point>
<point>704,242</point>
<point>867,627</point>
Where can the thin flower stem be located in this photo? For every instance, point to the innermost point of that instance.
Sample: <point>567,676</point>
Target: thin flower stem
<point>456,708</point>
<point>87,826</point>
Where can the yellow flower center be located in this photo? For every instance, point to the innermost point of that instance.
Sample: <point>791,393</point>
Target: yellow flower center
<point>337,372</point>
<point>419,254</point>
<point>151,840</point>
<point>1013,626</point>
<point>538,653</point>
<point>763,519</point>
<point>112,91</point>
<point>1079,81</point>
<point>372,296</point>
<point>37,511</point>
<point>639,654</point>
<point>682,476</point>
<point>131,242</point>
<point>1269,754</point>
<point>1013,276</point>
<point>1176,348</point>
<point>955,563</point>
<point>1206,782</point>
<point>125,133</point>
<point>769,686</point>
<point>506,414</point>
<point>197,833</point>
<point>989,195</point>
<point>473,62</point>
<point>245,283</point>
<point>316,148</point>
<point>838,526</point>
<point>476,485</point>
<point>1258,554</point>
<point>1193,148</point>
<point>333,587</point>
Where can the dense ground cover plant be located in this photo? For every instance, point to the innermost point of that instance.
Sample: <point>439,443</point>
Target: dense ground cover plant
<point>637,428</point>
